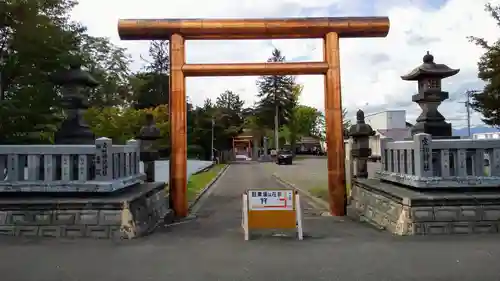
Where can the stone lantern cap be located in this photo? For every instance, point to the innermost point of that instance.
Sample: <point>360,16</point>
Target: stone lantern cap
<point>430,69</point>
<point>360,129</point>
<point>75,76</point>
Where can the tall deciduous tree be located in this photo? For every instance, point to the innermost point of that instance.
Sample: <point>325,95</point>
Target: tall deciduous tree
<point>276,98</point>
<point>304,121</point>
<point>149,89</point>
<point>37,38</point>
<point>319,130</point>
<point>109,65</point>
<point>152,85</point>
<point>122,124</point>
<point>487,101</point>
<point>228,117</point>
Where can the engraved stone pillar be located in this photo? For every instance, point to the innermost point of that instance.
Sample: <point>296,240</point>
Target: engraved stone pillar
<point>103,159</point>
<point>149,153</point>
<point>423,155</point>
<point>361,151</point>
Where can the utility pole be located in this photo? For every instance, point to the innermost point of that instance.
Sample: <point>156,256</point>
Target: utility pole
<point>276,128</point>
<point>468,95</point>
<point>467,106</point>
<point>212,153</point>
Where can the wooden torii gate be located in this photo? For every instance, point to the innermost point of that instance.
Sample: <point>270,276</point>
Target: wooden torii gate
<point>179,30</point>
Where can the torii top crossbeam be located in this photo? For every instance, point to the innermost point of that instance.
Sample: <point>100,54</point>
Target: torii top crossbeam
<point>285,28</point>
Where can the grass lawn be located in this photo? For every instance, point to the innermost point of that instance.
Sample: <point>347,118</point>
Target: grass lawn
<point>197,182</point>
<point>322,191</point>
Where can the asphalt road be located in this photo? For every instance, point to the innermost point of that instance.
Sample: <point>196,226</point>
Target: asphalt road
<point>211,247</point>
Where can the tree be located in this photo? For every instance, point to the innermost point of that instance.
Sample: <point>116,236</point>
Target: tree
<point>149,89</point>
<point>118,124</point>
<point>320,127</point>
<point>228,117</point>
<point>487,101</point>
<point>37,39</point>
<point>152,86</point>
<point>303,122</point>
<point>345,122</point>
<point>200,129</point>
<point>109,65</point>
<point>291,131</point>
<point>276,100</point>
<point>122,124</point>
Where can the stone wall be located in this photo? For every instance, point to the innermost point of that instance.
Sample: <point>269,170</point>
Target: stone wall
<point>123,215</point>
<point>407,212</point>
<point>61,223</point>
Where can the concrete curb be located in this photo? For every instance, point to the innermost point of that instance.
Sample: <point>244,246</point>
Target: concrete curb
<point>317,202</point>
<point>205,189</point>
<point>204,169</point>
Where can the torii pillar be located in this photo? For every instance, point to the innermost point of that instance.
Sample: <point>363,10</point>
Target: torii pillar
<point>330,29</point>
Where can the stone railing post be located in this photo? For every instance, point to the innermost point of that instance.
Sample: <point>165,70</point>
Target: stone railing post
<point>360,150</point>
<point>149,153</point>
<point>132,159</point>
<point>423,155</point>
<point>103,159</point>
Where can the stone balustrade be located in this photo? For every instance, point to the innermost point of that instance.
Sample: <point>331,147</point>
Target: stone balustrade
<point>441,163</point>
<point>102,167</point>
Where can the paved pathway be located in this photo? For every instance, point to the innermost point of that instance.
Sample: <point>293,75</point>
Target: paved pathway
<point>306,173</point>
<point>211,247</point>
<point>310,173</point>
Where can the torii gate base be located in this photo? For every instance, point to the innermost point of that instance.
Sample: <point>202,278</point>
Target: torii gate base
<point>330,29</point>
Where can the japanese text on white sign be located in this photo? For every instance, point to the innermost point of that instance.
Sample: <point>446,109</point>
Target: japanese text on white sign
<point>269,200</point>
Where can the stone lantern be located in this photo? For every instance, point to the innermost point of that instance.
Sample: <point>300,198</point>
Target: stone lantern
<point>361,151</point>
<point>74,129</point>
<point>149,153</point>
<point>430,96</point>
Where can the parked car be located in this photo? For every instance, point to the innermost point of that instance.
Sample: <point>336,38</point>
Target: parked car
<point>284,157</point>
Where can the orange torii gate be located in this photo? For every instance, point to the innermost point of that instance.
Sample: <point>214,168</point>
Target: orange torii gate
<point>179,30</point>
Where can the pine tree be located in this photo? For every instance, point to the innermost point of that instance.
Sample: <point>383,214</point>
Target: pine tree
<point>276,97</point>
<point>487,101</point>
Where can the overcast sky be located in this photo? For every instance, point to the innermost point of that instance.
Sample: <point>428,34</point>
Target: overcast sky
<point>371,67</point>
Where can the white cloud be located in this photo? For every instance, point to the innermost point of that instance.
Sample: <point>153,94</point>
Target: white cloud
<point>371,67</point>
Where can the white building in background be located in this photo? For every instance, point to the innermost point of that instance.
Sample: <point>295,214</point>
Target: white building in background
<point>387,124</point>
<point>386,120</point>
<point>482,136</point>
